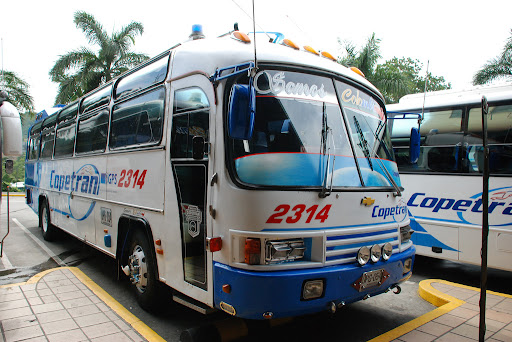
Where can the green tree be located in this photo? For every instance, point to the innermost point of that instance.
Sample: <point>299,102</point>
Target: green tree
<point>84,69</point>
<point>497,68</point>
<point>396,77</point>
<point>17,90</point>
<point>407,72</point>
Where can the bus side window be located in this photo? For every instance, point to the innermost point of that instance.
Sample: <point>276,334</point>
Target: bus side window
<point>92,132</point>
<point>34,147</point>
<point>47,139</point>
<point>64,143</point>
<point>190,119</point>
<point>138,120</point>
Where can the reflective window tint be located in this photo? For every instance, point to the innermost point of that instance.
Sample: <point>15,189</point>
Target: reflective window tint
<point>499,123</point>
<point>96,100</point>
<point>185,128</point>
<point>92,132</point>
<point>190,99</point>
<point>151,74</point>
<point>33,148</point>
<point>65,141</point>
<point>68,113</point>
<point>139,120</point>
<point>47,144</point>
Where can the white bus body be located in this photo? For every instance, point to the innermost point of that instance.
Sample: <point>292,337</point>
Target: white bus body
<point>240,227</point>
<point>444,186</point>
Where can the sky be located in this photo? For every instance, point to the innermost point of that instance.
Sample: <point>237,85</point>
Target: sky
<point>456,37</point>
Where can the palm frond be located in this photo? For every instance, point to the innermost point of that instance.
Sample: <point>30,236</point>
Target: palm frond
<point>17,91</point>
<point>91,28</point>
<point>126,37</point>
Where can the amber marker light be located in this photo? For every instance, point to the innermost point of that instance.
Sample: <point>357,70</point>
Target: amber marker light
<point>310,49</point>
<point>291,44</point>
<point>252,251</point>
<point>158,242</point>
<point>226,288</point>
<point>241,37</point>
<point>357,71</point>
<point>214,244</point>
<point>328,55</point>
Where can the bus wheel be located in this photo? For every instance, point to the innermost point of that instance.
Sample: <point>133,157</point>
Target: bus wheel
<point>142,272</point>
<point>47,228</point>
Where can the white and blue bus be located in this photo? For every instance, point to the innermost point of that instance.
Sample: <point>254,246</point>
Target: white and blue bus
<point>444,183</point>
<point>264,188</point>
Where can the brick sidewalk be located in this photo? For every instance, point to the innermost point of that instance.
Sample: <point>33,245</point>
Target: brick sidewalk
<point>457,317</point>
<point>63,304</point>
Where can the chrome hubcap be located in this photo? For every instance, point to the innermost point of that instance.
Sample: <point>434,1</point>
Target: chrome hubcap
<point>138,269</point>
<point>44,222</point>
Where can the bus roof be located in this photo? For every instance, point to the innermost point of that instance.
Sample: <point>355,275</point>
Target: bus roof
<point>213,53</point>
<point>451,97</point>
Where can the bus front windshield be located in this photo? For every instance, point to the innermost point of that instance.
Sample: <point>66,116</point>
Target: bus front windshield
<point>299,137</point>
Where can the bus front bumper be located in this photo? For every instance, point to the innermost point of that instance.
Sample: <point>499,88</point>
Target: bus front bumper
<point>260,295</point>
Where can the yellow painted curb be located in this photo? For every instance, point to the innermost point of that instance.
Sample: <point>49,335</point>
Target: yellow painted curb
<point>126,315</point>
<point>444,302</point>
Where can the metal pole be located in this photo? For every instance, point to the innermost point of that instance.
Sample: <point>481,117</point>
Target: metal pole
<point>485,222</point>
<point>8,226</point>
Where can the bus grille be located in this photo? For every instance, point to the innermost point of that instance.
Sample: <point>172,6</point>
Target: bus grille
<point>342,246</point>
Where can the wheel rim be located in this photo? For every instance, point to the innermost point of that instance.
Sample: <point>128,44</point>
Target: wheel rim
<point>44,223</point>
<point>138,269</point>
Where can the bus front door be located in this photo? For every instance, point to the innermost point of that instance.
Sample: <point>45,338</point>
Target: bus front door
<point>190,123</point>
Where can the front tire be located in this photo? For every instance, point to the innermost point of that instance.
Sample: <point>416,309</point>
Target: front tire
<point>47,228</point>
<point>143,274</point>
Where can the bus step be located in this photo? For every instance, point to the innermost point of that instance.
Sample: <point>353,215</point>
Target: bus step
<point>192,304</point>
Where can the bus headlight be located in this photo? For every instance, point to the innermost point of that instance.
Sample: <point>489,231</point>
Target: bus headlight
<point>405,233</point>
<point>387,250</point>
<point>363,255</point>
<point>284,250</point>
<point>376,253</point>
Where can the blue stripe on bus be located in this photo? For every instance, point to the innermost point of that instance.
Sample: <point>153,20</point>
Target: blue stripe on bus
<point>361,244</point>
<point>352,236</point>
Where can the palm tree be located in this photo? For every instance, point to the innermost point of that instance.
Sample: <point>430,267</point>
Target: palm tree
<point>366,60</point>
<point>82,70</point>
<point>17,91</point>
<point>497,68</point>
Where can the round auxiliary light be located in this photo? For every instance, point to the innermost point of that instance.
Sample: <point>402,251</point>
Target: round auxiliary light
<point>291,44</point>
<point>387,250</point>
<point>376,253</point>
<point>328,55</point>
<point>310,49</point>
<point>363,255</point>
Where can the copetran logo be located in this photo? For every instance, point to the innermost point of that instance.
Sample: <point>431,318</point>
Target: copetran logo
<point>86,180</point>
<point>398,212</point>
<point>469,210</point>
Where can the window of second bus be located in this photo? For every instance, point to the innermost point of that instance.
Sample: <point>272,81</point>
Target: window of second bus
<point>499,139</point>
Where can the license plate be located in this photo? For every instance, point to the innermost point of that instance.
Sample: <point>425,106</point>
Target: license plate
<point>370,279</point>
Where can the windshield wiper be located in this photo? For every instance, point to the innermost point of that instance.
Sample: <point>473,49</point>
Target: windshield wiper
<point>368,155</point>
<point>363,143</point>
<point>326,150</point>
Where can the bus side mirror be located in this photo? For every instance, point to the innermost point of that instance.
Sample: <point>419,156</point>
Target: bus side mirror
<point>414,145</point>
<point>9,166</point>
<point>242,106</point>
<point>198,148</point>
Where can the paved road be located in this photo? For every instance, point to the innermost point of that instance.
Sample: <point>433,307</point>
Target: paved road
<point>26,254</point>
